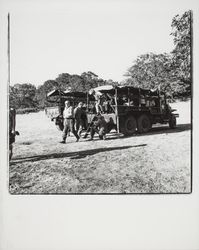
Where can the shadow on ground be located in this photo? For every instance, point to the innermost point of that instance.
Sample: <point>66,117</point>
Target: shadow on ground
<point>167,130</point>
<point>154,131</point>
<point>72,155</point>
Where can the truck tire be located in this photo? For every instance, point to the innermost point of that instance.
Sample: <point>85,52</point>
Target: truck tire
<point>144,123</point>
<point>172,122</point>
<point>129,125</point>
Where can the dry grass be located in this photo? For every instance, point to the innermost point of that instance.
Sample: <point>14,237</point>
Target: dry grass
<point>157,162</point>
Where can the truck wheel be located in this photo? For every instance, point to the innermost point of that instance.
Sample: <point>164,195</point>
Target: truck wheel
<point>172,122</point>
<point>128,127</point>
<point>144,124</point>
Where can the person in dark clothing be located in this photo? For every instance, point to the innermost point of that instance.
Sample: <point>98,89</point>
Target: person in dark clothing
<point>101,127</point>
<point>80,117</point>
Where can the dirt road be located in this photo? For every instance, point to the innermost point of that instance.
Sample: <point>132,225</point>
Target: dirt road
<point>156,162</point>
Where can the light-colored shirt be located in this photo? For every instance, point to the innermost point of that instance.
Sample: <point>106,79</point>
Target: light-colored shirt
<point>68,112</point>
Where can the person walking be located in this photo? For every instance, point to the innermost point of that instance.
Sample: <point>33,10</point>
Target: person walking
<point>68,115</point>
<point>79,122</point>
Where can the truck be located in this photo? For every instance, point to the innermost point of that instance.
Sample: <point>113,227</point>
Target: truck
<point>132,109</point>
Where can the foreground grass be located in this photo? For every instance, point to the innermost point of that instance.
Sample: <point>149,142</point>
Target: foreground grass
<point>139,164</point>
<point>157,162</point>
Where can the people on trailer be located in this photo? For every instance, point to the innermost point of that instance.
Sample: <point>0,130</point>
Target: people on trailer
<point>97,96</point>
<point>120,101</point>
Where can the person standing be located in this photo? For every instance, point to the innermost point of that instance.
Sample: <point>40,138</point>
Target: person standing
<point>68,115</point>
<point>97,96</point>
<point>79,115</point>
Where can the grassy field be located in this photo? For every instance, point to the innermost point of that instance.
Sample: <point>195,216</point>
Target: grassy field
<point>156,162</point>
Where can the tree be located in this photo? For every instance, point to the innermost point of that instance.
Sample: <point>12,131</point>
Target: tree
<point>89,75</point>
<point>91,80</point>
<point>22,96</point>
<point>42,92</point>
<point>63,81</point>
<point>13,102</point>
<point>181,64</point>
<point>151,71</point>
<point>111,82</point>
<point>77,83</point>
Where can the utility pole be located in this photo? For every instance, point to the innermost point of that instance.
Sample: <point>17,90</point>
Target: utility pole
<point>8,49</point>
<point>191,50</point>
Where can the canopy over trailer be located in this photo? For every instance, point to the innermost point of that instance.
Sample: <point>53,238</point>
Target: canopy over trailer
<point>126,90</point>
<point>68,94</point>
<point>59,96</point>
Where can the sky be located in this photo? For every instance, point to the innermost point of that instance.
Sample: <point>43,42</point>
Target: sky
<point>53,37</point>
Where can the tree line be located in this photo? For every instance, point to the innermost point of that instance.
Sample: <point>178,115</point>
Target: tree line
<point>169,72</point>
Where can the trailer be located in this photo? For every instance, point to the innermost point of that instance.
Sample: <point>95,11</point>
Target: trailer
<point>59,97</point>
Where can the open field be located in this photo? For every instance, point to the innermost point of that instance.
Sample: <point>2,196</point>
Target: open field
<point>156,162</point>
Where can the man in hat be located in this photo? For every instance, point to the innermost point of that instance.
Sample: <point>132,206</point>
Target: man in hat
<point>68,115</point>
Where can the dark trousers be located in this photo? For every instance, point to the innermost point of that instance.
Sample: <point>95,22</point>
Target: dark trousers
<point>69,125</point>
<point>79,126</point>
<point>101,132</point>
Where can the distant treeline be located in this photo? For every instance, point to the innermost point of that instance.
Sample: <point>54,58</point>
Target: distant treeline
<point>170,72</point>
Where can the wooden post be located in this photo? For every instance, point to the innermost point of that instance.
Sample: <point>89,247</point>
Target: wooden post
<point>139,98</point>
<point>8,50</point>
<point>87,101</point>
<point>128,97</point>
<point>160,101</point>
<point>191,52</point>
<point>116,111</point>
<point>60,102</point>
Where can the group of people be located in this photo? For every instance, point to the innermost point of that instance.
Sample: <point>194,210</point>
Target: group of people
<point>75,120</point>
<point>103,102</point>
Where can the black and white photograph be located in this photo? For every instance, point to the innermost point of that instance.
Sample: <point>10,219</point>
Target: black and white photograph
<point>100,99</point>
<point>99,124</point>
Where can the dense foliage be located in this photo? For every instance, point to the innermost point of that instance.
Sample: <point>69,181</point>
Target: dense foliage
<point>181,55</point>
<point>151,71</point>
<point>27,96</point>
<point>169,72</point>
<point>22,96</point>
